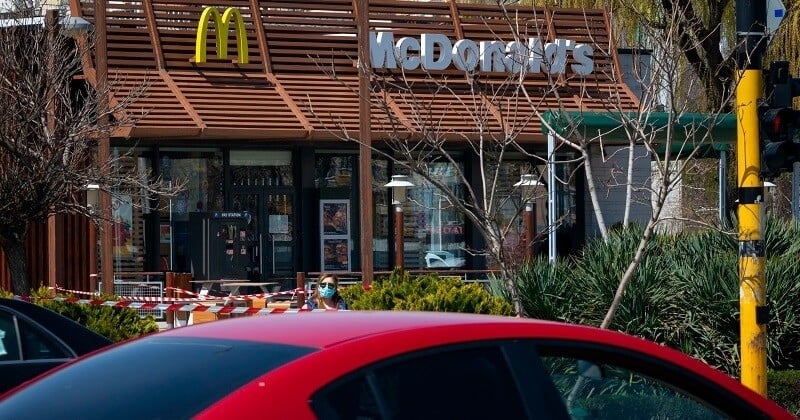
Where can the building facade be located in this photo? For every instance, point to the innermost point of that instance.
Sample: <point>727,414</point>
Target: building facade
<point>257,109</point>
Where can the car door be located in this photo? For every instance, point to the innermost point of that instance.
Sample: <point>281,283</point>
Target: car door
<point>549,379</point>
<point>26,350</point>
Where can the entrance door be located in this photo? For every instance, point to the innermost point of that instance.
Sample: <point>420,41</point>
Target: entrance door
<point>272,211</point>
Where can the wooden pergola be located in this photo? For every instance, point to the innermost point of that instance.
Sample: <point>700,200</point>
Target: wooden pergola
<point>285,91</point>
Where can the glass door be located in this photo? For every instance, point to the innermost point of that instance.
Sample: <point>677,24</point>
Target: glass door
<point>279,207</point>
<point>251,201</point>
<point>272,211</point>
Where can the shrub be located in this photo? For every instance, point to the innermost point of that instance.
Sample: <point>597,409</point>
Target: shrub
<point>685,293</point>
<point>425,293</point>
<point>547,292</point>
<point>783,387</point>
<point>115,323</point>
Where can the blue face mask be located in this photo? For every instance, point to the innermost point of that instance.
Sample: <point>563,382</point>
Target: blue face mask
<point>327,292</point>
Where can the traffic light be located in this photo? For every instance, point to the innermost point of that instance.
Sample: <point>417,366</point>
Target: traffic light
<point>780,123</point>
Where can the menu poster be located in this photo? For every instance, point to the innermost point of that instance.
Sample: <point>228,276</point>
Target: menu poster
<point>334,221</point>
<point>336,254</point>
<point>335,217</point>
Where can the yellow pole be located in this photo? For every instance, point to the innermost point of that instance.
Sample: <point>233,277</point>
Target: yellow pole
<point>752,284</point>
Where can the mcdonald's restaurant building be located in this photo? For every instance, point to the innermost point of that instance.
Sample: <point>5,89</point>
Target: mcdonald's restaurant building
<point>241,106</point>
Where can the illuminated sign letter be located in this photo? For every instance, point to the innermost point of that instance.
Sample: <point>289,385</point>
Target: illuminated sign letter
<point>465,54</point>
<point>492,54</point>
<point>583,55</point>
<point>221,26</point>
<point>402,48</point>
<point>429,43</point>
<point>381,50</point>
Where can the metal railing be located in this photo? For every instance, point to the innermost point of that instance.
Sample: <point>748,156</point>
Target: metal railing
<point>142,284</point>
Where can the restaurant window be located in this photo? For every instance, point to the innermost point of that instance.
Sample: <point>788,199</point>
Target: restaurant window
<point>510,212</point>
<point>334,178</point>
<point>272,168</point>
<point>337,210</point>
<point>380,226</point>
<point>200,173</point>
<point>128,210</point>
<point>433,226</point>
<point>334,171</point>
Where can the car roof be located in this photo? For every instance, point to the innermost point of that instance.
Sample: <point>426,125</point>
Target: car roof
<point>325,329</point>
<point>79,338</point>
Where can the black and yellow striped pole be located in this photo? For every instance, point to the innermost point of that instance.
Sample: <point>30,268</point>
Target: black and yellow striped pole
<point>750,27</point>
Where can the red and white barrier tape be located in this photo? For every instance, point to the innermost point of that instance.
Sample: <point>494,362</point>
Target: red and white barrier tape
<point>183,299</point>
<point>74,292</point>
<point>266,295</point>
<point>176,307</point>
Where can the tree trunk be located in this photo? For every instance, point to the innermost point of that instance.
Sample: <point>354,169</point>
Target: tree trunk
<point>14,249</point>
<point>590,186</point>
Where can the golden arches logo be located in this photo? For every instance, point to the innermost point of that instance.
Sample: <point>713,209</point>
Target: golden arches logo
<point>221,26</point>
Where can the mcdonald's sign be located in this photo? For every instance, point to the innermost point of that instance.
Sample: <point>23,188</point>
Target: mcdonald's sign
<point>221,26</point>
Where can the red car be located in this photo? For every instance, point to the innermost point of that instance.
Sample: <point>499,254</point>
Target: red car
<point>386,365</point>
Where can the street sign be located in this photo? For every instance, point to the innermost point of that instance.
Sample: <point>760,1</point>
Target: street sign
<point>775,13</point>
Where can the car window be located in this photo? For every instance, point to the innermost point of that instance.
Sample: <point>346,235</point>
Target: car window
<point>9,346</point>
<point>603,391</point>
<point>452,383</point>
<point>148,378</point>
<point>38,345</point>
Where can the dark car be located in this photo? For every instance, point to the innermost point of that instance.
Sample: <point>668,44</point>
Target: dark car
<point>387,365</point>
<point>34,339</point>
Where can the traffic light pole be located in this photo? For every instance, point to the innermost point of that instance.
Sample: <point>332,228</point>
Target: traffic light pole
<point>750,18</point>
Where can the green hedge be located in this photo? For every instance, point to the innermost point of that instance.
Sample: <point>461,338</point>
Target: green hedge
<point>115,323</point>
<point>425,293</point>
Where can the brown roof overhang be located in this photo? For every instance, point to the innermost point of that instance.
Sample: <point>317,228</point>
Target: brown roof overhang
<point>286,91</point>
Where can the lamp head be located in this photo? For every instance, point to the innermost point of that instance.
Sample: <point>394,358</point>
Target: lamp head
<point>92,196</point>
<point>527,185</point>
<point>398,184</point>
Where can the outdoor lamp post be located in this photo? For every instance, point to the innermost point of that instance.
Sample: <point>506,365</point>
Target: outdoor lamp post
<point>73,27</point>
<point>398,184</point>
<point>527,185</point>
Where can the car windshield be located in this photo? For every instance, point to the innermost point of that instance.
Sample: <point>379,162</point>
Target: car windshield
<point>156,377</point>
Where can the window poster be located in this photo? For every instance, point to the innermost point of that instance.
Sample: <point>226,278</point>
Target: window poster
<point>334,217</point>
<point>122,223</point>
<point>335,234</point>
<point>335,254</point>
<point>165,233</point>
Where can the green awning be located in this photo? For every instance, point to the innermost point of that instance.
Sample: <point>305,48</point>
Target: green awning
<point>689,130</point>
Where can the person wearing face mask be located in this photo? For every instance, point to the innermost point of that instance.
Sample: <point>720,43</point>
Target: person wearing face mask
<point>326,296</point>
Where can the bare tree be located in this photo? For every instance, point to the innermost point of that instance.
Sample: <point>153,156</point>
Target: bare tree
<point>672,140</point>
<point>50,124</point>
<point>430,119</point>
